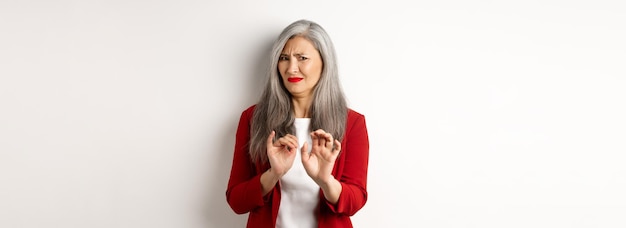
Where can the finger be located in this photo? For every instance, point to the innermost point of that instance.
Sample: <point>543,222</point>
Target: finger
<point>270,138</point>
<point>284,142</point>
<point>321,140</point>
<point>303,151</point>
<point>337,146</point>
<point>324,139</point>
<point>314,139</point>
<point>329,140</point>
<point>293,141</point>
<point>289,141</point>
<point>289,136</point>
<point>278,142</point>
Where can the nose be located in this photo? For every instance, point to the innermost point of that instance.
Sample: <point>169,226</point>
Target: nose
<point>293,66</point>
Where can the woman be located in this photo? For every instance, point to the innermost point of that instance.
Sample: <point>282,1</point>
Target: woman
<point>301,154</point>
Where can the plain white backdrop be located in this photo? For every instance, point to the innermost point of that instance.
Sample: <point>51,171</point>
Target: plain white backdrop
<point>480,113</point>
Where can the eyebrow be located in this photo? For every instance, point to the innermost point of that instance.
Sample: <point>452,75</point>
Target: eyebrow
<point>293,54</point>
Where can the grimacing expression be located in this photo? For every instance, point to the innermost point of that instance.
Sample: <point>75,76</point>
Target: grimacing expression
<point>300,66</point>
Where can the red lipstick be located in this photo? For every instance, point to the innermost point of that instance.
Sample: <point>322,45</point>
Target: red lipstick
<point>294,80</point>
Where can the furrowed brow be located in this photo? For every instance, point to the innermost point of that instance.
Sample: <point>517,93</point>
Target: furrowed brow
<point>296,54</point>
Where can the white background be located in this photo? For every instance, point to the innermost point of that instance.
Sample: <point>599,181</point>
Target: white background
<point>480,113</point>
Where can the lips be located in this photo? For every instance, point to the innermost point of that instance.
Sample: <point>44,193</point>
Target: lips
<point>294,80</point>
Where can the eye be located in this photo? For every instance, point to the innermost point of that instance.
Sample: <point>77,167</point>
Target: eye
<point>283,58</point>
<point>302,58</point>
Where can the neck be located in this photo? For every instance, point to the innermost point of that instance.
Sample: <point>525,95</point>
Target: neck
<point>301,107</point>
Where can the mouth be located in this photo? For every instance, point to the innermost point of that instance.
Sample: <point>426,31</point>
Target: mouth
<point>294,80</point>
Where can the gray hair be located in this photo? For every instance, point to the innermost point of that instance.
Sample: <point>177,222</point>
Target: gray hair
<point>274,110</point>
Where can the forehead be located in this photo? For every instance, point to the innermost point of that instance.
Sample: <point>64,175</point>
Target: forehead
<point>298,44</point>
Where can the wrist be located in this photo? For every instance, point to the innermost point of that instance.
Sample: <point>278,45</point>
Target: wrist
<point>325,182</point>
<point>332,189</point>
<point>273,174</point>
<point>268,181</point>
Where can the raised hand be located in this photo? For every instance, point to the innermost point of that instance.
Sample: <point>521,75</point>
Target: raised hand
<point>319,163</point>
<point>281,153</point>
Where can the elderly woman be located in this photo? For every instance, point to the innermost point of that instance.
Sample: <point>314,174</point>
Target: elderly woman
<point>301,155</point>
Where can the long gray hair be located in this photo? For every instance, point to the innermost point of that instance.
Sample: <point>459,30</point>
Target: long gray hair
<point>274,111</point>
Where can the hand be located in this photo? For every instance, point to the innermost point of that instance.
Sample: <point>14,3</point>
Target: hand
<point>320,162</point>
<point>281,153</point>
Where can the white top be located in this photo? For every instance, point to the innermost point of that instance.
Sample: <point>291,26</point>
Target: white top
<point>299,194</point>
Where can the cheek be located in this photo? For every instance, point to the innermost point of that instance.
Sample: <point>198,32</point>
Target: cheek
<point>309,69</point>
<point>315,70</point>
<point>281,68</point>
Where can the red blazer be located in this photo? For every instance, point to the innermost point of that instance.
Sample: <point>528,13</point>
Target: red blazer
<point>244,186</point>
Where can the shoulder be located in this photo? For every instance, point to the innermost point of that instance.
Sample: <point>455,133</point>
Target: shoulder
<point>249,110</point>
<point>356,128</point>
<point>354,115</point>
<point>248,113</point>
<point>355,119</point>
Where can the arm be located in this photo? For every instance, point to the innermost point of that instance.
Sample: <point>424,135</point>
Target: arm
<point>244,191</point>
<point>268,181</point>
<point>332,190</point>
<point>247,187</point>
<point>354,164</point>
<point>281,154</point>
<point>320,162</point>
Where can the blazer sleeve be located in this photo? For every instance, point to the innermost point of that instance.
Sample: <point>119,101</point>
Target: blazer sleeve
<point>353,179</point>
<point>244,192</point>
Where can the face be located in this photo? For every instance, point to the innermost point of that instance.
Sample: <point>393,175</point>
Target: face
<point>300,66</point>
